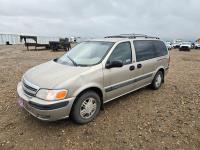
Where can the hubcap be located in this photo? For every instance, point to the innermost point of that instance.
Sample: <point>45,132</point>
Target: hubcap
<point>88,108</point>
<point>158,80</point>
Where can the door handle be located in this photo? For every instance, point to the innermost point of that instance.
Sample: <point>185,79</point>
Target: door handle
<point>139,65</point>
<point>131,68</point>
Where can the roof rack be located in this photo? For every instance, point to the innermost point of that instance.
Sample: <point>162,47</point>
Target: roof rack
<point>132,36</point>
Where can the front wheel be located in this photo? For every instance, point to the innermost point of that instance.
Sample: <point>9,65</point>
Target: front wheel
<point>158,80</point>
<point>86,108</point>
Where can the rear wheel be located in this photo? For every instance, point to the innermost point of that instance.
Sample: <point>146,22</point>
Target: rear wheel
<point>86,108</point>
<point>158,80</point>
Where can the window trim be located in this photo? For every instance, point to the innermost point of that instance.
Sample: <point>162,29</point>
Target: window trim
<point>130,49</point>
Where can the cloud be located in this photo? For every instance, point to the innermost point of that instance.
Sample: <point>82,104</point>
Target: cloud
<point>167,18</point>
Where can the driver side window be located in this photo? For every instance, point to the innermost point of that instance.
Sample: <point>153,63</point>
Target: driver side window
<point>122,52</point>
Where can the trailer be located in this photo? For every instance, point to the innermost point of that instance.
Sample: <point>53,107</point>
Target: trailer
<point>63,43</point>
<point>32,44</point>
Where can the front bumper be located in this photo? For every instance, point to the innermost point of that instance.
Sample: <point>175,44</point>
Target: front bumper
<point>176,46</point>
<point>184,48</point>
<point>45,110</point>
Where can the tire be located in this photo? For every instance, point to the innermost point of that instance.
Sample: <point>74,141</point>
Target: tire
<point>85,104</point>
<point>157,81</point>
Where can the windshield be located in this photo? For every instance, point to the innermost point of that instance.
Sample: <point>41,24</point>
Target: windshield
<point>86,53</point>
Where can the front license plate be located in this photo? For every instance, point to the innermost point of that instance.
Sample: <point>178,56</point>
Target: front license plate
<point>28,107</point>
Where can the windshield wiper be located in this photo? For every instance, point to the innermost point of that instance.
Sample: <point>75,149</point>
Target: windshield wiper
<point>74,63</point>
<point>81,65</point>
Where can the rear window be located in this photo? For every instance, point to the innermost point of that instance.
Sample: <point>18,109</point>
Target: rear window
<point>144,50</point>
<point>149,49</point>
<point>160,48</point>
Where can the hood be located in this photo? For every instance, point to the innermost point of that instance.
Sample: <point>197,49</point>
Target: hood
<point>50,74</point>
<point>176,44</point>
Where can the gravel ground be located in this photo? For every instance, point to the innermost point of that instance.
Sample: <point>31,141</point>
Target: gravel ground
<point>168,118</point>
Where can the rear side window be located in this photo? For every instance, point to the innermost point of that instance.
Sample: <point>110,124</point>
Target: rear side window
<point>144,50</point>
<point>122,52</point>
<point>160,48</point>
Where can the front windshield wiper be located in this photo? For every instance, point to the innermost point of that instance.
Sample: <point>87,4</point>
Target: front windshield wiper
<point>82,65</point>
<point>74,63</point>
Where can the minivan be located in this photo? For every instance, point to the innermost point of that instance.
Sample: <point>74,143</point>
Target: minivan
<point>94,72</point>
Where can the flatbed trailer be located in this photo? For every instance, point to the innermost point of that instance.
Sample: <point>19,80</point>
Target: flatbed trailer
<point>35,44</point>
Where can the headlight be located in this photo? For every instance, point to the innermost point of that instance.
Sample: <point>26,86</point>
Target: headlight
<point>51,95</point>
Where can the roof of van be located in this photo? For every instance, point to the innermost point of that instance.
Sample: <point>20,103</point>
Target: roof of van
<point>124,37</point>
<point>120,39</point>
<point>109,39</point>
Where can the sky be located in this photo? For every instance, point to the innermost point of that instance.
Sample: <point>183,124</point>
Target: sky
<point>168,19</point>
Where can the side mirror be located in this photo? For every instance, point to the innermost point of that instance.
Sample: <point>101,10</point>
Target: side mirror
<point>114,64</point>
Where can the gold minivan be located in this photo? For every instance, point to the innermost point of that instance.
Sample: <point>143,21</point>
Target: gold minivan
<point>94,72</point>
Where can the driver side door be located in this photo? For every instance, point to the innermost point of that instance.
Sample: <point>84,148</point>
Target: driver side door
<point>115,79</point>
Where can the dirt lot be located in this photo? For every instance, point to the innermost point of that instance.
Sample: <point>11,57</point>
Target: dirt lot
<point>165,119</point>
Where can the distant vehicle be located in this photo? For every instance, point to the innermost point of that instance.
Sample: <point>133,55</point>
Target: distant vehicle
<point>185,46</point>
<point>193,45</point>
<point>168,45</point>
<point>72,39</point>
<point>63,43</point>
<point>177,43</point>
<point>92,73</point>
<point>197,45</point>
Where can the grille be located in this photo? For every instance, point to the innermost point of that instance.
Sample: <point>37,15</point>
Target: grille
<point>29,89</point>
